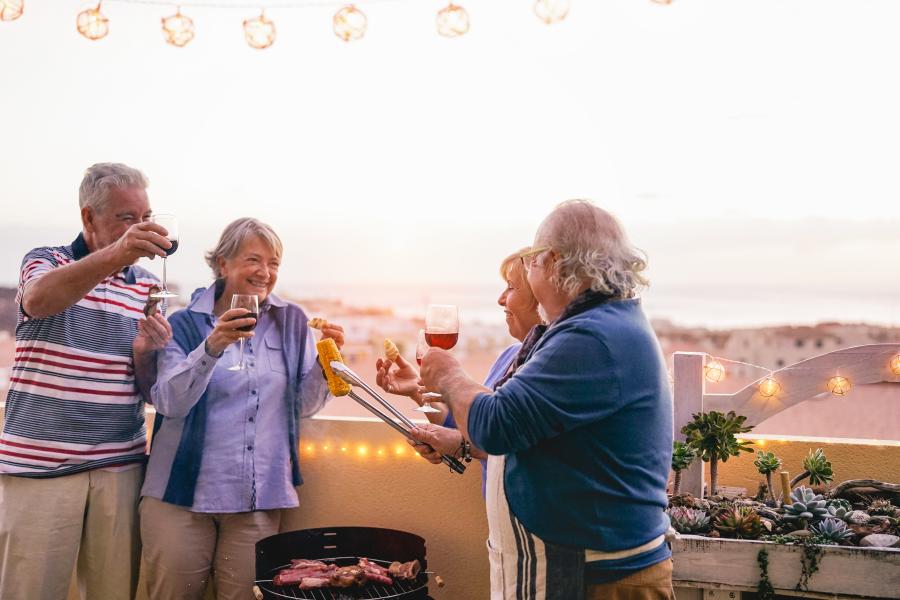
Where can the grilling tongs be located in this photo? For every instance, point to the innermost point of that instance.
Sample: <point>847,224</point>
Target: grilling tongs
<point>347,374</point>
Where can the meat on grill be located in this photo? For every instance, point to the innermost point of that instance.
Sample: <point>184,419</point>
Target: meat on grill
<point>406,571</point>
<point>313,574</point>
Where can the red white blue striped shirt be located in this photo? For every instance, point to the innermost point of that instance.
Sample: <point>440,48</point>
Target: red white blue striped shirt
<point>73,404</point>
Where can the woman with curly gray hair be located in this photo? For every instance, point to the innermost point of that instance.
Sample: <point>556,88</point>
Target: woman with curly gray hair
<point>582,429</point>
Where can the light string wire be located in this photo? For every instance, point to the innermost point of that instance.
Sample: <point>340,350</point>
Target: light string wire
<point>261,5</point>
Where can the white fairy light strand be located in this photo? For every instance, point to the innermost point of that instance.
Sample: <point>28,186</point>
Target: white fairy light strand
<point>201,4</point>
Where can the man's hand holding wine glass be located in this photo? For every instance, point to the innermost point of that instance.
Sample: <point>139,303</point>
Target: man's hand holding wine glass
<point>141,240</point>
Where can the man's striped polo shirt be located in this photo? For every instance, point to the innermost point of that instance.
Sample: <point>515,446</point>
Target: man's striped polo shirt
<point>73,404</point>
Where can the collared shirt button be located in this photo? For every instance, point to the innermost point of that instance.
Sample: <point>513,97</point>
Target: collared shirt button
<point>250,448</point>
<point>253,392</point>
<point>250,419</point>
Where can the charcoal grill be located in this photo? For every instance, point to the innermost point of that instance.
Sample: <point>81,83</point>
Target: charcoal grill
<point>342,546</point>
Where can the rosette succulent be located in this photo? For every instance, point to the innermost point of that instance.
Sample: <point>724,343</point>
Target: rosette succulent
<point>816,467</point>
<point>882,507</point>
<point>767,463</point>
<point>839,502</point>
<point>807,507</point>
<point>688,520</point>
<point>682,457</point>
<point>741,522</point>
<point>833,530</point>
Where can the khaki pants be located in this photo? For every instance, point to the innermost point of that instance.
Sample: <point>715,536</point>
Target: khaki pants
<point>48,524</point>
<point>652,583</point>
<point>184,549</point>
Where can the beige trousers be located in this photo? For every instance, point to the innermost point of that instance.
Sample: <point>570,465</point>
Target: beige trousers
<point>184,549</point>
<point>652,583</point>
<point>46,525</point>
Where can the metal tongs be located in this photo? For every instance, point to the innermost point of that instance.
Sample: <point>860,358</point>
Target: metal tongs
<point>347,374</point>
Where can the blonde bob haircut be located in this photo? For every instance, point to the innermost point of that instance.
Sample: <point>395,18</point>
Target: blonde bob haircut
<point>235,235</point>
<point>512,269</point>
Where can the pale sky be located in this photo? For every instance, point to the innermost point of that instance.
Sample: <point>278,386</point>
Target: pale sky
<point>741,142</point>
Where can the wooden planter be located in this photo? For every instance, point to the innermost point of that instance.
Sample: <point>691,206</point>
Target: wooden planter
<point>708,564</point>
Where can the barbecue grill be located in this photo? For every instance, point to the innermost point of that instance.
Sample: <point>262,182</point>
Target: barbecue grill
<point>342,546</point>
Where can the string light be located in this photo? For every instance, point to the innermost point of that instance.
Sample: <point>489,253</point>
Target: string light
<point>350,23</point>
<point>362,450</point>
<point>10,10</point>
<point>452,21</point>
<point>839,386</point>
<point>661,1</point>
<point>178,29</point>
<point>551,11</point>
<point>714,371</point>
<point>895,365</point>
<point>259,32</point>
<point>768,387</point>
<point>92,24</point>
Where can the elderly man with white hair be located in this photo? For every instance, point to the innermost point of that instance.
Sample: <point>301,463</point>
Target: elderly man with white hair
<point>580,436</point>
<point>72,450</point>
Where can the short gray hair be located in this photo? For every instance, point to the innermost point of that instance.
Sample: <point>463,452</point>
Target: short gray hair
<point>593,249</point>
<point>235,235</point>
<point>100,178</point>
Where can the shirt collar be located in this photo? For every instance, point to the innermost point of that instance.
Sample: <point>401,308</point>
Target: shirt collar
<point>80,250</point>
<point>205,302</point>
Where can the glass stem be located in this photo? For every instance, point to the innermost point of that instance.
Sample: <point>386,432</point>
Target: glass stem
<point>241,359</point>
<point>165,287</point>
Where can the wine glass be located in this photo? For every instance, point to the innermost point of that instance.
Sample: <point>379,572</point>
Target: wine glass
<point>170,224</point>
<point>421,349</point>
<point>251,303</point>
<point>442,325</point>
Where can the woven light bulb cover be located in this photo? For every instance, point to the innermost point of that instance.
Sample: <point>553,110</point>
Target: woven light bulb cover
<point>714,371</point>
<point>768,387</point>
<point>178,29</point>
<point>839,386</point>
<point>895,365</point>
<point>92,24</point>
<point>259,32</point>
<point>350,23</point>
<point>552,11</point>
<point>10,10</point>
<point>452,21</point>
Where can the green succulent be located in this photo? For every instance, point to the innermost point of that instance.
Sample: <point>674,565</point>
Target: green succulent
<point>767,463</point>
<point>682,457</point>
<point>713,435</point>
<point>881,506</point>
<point>838,512</point>
<point>833,530</point>
<point>816,467</point>
<point>688,520</point>
<point>839,502</point>
<point>806,507</point>
<point>741,522</point>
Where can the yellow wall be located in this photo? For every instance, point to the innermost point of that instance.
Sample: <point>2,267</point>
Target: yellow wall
<point>849,459</point>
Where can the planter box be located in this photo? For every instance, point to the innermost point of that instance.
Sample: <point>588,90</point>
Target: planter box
<point>844,572</point>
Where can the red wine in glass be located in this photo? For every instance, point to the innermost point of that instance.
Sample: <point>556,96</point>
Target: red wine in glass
<point>250,302</point>
<point>247,316</point>
<point>172,250</point>
<point>441,340</point>
<point>442,325</point>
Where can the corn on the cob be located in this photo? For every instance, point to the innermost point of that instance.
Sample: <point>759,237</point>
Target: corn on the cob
<point>390,350</point>
<point>318,323</point>
<point>328,351</point>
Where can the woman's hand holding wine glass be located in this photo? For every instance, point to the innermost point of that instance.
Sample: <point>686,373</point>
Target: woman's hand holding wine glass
<point>231,326</point>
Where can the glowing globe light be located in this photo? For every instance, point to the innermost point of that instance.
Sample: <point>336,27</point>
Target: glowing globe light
<point>92,24</point>
<point>768,387</point>
<point>452,21</point>
<point>895,365</point>
<point>552,11</point>
<point>10,10</point>
<point>259,32</point>
<point>714,371</point>
<point>839,386</point>
<point>178,29</point>
<point>349,23</point>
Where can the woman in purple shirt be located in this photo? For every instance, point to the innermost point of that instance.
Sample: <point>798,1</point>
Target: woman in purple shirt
<point>224,456</point>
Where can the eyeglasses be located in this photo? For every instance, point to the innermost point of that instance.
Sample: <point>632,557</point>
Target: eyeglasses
<point>529,258</point>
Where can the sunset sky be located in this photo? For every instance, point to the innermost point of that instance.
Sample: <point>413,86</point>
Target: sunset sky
<point>743,143</point>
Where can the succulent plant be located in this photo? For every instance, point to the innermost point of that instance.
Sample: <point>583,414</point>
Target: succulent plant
<point>688,520</point>
<point>767,463</point>
<point>806,507</point>
<point>839,502</point>
<point>713,435</point>
<point>857,517</point>
<point>816,467</point>
<point>833,530</point>
<point>882,506</point>
<point>838,512</point>
<point>740,522</point>
<point>682,457</point>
